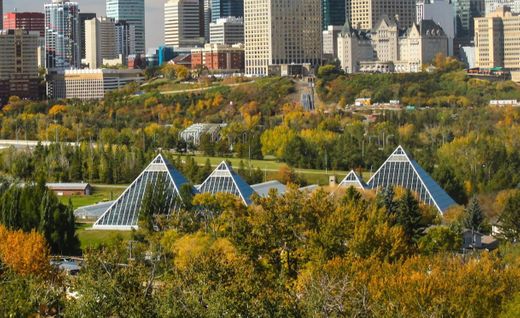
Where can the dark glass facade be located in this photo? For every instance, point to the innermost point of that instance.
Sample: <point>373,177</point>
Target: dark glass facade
<point>226,8</point>
<point>333,12</point>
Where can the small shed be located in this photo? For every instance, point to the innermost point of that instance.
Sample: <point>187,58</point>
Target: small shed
<point>68,189</point>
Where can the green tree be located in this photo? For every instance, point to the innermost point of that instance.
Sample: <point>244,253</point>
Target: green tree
<point>439,239</point>
<point>509,220</point>
<point>156,202</point>
<point>474,216</point>
<point>409,216</point>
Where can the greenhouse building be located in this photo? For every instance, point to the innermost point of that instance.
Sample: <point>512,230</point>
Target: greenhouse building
<point>123,214</point>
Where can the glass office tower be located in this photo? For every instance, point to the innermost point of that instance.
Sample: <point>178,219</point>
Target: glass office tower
<point>226,8</point>
<point>334,13</point>
<point>131,11</point>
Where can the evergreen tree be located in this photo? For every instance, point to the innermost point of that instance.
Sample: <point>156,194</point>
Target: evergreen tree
<point>156,201</point>
<point>473,217</point>
<point>510,218</point>
<point>205,171</point>
<point>385,199</point>
<point>409,216</point>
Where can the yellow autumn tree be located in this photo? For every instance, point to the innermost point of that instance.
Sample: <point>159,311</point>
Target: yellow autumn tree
<point>275,140</point>
<point>57,110</point>
<point>24,253</point>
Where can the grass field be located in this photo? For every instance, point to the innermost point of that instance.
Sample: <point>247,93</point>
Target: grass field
<point>93,238</point>
<point>100,194</point>
<point>271,168</point>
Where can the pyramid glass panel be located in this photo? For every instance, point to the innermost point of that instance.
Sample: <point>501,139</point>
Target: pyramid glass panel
<point>225,180</point>
<point>353,180</point>
<point>124,212</point>
<point>400,170</point>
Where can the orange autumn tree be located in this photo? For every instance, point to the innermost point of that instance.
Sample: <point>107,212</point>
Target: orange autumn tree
<point>24,253</point>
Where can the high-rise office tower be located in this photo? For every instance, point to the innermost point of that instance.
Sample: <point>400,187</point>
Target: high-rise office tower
<point>466,12</point>
<point>280,33</point>
<point>182,27</point>
<point>82,18</point>
<point>19,64</point>
<point>125,38</point>
<point>62,35</point>
<point>206,18</point>
<point>228,31</point>
<point>101,44</point>
<point>29,21</point>
<point>497,40</point>
<point>131,11</point>
<point>364,14</point>
<point>334,13</point>
<point>226,8</point>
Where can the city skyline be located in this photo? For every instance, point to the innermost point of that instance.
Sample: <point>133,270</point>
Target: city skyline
<point>154,14</point>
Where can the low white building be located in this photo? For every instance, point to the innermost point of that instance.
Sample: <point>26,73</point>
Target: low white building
<point>89,84</point>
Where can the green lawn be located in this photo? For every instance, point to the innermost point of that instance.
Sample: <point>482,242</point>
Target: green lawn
<point>100,194</point>
<point>271,167</point>
<point>93,238</point>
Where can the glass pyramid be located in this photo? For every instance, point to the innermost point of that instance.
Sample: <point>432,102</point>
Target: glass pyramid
<point>224,180</point>
<point>353,180</point>
<point>400,170</point>
<point>123,214</point>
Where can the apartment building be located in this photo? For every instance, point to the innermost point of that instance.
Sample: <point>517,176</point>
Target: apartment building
<point>219,57</point>
<point>280,33</point>
<point>364,14</point>
<point>19,63</point>
<point>497,40</point>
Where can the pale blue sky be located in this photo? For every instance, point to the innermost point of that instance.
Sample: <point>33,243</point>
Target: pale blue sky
<point>154,14</point>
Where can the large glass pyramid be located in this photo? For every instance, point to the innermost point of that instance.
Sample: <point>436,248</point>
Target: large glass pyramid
<point>123,214</point>
<point>400,170</point>
<point>353,180</point>
<point>225,180</point>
